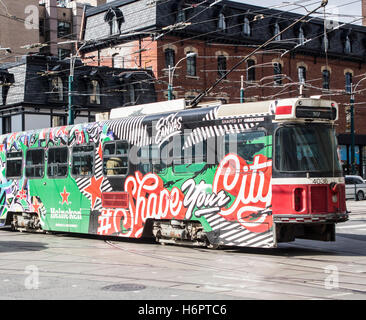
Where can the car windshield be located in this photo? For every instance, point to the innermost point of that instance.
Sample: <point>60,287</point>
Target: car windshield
<point>306,148</point>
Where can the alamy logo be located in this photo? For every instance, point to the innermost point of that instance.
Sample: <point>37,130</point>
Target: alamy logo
<point>332,279</point>
<point>31,282</point>
<point>31,20</point>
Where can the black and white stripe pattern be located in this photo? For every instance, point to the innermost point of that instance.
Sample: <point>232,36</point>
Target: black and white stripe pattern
<point>202,133</point>
<point>82,183</point>
<point>232,233</point>
<point>132,130</point>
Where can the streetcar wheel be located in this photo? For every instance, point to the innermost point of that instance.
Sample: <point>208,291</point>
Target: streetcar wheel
<point>360,196</point>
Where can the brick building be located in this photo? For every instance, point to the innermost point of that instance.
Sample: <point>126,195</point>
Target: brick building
<point>34,92</point>
<point>158,34</point>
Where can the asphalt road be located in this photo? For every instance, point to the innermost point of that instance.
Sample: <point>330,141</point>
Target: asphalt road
<point>60,266</point>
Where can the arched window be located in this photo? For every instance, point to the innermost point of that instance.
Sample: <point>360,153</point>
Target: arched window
<point>276,32</point>
<point>114,17</point>
<point>301,74</point>
<point>114,25</point>
<point>221,65</point>
<point>348,78</point>
<point>347,45</point>
<point>301,38</point>
<point>250,70</point>
<point>169,58</point>
<point>277,70</point>
<point>326,79</point>
<point>246,27</point>
<point>191,65</point>
<point>57,89</point>
<point>94,92</point>
<point>222,22</point>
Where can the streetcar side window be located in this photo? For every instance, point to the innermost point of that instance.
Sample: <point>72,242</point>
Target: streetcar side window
<point>82,160</point>
<point>115,158</point>
<point>14,162</point>
<point>245,144</point>
<point>34,163</point>
<point>58,162</point>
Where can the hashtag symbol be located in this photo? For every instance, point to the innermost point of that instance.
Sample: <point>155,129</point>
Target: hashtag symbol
<point>104,223</point>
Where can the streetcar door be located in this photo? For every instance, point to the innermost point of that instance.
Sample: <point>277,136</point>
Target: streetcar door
<point>57,173</point>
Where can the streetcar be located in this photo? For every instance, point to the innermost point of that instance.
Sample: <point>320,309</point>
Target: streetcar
<point>248,175</point>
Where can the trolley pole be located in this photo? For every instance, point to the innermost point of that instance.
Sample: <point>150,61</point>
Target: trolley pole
<point>242,90</point>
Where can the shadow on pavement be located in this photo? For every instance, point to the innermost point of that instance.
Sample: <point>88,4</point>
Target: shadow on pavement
<point>19,246</point>
<point>361,237</point>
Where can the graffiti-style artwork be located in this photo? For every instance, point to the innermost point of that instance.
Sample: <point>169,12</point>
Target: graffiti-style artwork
<point>250,185</point>
<point>231,197</point>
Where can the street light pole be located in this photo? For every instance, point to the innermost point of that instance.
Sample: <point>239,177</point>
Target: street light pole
<point>171,74</point>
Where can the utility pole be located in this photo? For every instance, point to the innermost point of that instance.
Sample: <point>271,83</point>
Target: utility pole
<point>70,118</point>
<point>352,108</point>
<point>242,90</point>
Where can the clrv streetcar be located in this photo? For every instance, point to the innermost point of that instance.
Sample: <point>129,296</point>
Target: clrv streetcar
<point>252,174</point>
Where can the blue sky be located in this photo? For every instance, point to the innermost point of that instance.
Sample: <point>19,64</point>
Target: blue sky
<point>342,10</point>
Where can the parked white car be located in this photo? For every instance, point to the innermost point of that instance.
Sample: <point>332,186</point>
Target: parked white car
<point>355,188</point>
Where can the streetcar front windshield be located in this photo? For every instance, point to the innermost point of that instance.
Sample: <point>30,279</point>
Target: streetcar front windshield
<point>306,148</point>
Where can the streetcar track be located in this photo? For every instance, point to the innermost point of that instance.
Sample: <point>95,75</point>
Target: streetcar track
<point>266,279</point>
<point>175,283</point>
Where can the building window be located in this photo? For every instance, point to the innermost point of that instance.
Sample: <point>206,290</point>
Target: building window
<point>114,27</point>
<point>114,17</point>
<point>301,38</point>
<point>276,32</point>
<point>169,58</point>
<point>34,163</point>
<point>191,65</point>
<point>326,79</point>
<point>250,70</point>
<point>94,92</point>
<point>277,70</point>
<point>181,15</point>
<point>246,27</point>
<point>57,89</point>
<point>6,124</point>
<point>221,65</point>
<point>63,53</point>
<point>63,29</point>
<point>301,74</point>
<point>222,22</point>
<point>348,77</point>
<point>347,45</point>
<point>115,60</point>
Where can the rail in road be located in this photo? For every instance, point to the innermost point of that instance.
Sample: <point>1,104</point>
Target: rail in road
<point>59,266</point>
